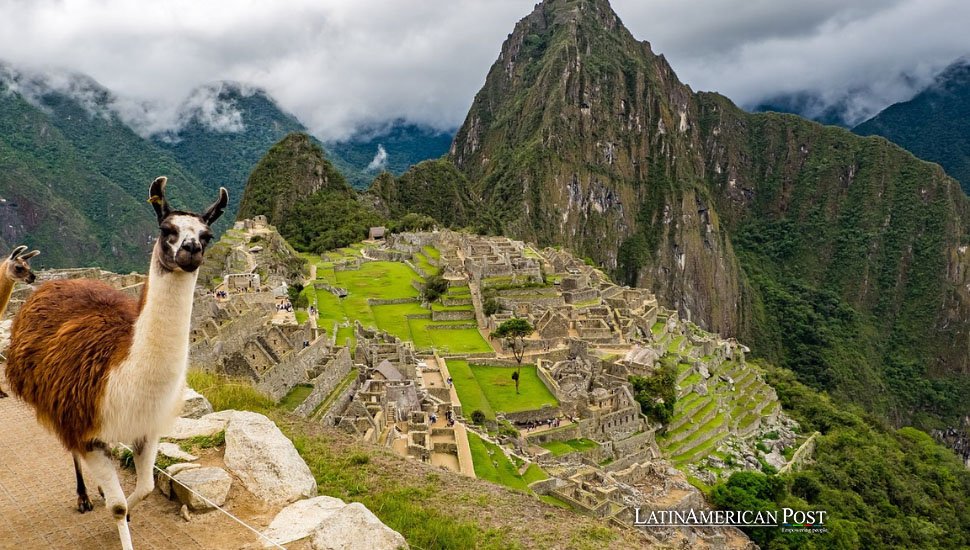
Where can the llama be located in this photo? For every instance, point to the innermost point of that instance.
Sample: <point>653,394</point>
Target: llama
<point>13,270</point>
<point>100,367</point>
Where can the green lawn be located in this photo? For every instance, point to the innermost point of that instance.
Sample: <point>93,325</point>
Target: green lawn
<point>464,340</point>
<point>379,280</point>
<point>422,262</point>
<point>492,464</point>
<point>469,392</point>
<point>491,389</point>
<point>296,396</point>
<point>431,252</point>
<point>565,447</point>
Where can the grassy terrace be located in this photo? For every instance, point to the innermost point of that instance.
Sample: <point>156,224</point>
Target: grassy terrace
<point>492,464</point>
<point>385,281</point>
<point>421,261</point>
<point>296,396</point>
<point>558,448</point>
<point>491,389</point>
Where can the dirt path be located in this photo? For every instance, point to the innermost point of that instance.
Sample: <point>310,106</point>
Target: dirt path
<point>37,497</point>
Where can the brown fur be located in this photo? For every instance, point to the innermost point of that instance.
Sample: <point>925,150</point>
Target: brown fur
<point>65,341</point>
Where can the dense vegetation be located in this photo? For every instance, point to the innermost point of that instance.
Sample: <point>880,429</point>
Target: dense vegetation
<point>882,487</point>
<point>308,200</point>
<point>657,394</point>
<point>934,125</point>
<point>432,188</point>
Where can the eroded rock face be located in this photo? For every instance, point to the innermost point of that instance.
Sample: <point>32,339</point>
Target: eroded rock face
<point>265,460</point>
<point>212,483</point>
<point>354,527</point>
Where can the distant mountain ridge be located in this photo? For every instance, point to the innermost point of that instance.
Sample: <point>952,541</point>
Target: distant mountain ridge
<point>935,124</point>
<point>65,141</point>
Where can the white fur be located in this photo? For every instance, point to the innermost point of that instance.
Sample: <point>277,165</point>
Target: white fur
<point>143,392</point>
<point>189,229</point>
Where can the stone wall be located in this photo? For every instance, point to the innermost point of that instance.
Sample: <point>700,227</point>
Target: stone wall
<point>453,315</point>
<point>341,402</point>
<point>327,381</point>
<point>292,370</point>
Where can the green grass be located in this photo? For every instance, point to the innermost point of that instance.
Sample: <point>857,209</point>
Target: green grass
<point>421,261</point>
<point>228,393</point>
<point>492,389</point>
<point>431,252</point>
<point>554,501</point>
<point>573,445</point>
<point>296,396</point>
<point>492,464</point>
<point>459,291</point>
<point>469,392</point>
<point>534,473</point>
<point>301,315</point>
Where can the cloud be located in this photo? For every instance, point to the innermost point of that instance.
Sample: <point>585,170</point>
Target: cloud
<point>380,160</point>
<point>342,64</point>
<point>865,55</point>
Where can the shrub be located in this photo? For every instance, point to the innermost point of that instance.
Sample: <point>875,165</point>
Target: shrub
<point>478,417</point>
<point>490,306</point>
<point>434,287</point>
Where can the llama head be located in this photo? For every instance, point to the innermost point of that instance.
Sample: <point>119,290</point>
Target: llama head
<point>183,235</point>
<point>18,267</point>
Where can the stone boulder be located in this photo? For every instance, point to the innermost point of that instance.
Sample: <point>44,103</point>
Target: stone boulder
<point>300,519</point>
<point>354,527</point>
<point>187,428</point>
<point>165,483</point>
<point>212,483</point>
<point>265,460</point>
<point>172,450</point>
<point>776,460</point>
<point>194,404</point>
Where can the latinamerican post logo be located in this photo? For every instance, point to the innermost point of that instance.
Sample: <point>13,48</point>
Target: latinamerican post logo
<point>788,520</point>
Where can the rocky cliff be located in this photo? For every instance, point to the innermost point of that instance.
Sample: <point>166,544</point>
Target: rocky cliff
<point>839,256</point>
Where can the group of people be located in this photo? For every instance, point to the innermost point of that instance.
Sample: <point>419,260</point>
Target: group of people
<point>222,294</point>
<point>549,423</point>
<point>449,418</point>
<point>285,305</point>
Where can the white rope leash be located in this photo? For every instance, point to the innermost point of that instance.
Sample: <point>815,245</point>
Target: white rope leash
<point>210,503</point>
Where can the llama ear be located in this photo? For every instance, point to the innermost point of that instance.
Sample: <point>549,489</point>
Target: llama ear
<point>156,196</point>
<point>17,252</point>
<point>30,255</point>
<point>216,209</point>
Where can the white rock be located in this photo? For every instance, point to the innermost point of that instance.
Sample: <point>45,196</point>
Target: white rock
<point>174,451</point>
<point>165,483</point>
<point>354,527</point>
<point>775,460</point>
<point>265,460</point>
<point>186,428</point>
<point>212,483</point>
<point>301,518</point>
<point>194,404</point>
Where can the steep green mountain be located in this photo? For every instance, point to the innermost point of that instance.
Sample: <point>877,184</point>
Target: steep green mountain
<point>393,147</point>
<point>305,197</point>
<point>934,125</point>
<point>434,188</point>
<point>841,257</point>
<point>74,177</point>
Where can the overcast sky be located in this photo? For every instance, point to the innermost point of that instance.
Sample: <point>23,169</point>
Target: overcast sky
<point>340,64</point>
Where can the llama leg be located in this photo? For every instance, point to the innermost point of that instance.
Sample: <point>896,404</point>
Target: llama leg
<point>83,502</point>
<point>101,466</point>
<point>144,450</point>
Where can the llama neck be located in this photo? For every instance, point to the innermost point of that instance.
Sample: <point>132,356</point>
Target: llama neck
<point>6,287</point>
<point>161,336</point>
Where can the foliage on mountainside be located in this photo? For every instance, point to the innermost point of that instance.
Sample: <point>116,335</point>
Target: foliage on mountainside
<point>433,188</point>
<point>934,125</point>
<point>302,194</point>
<point>64,196</point>
<point>883,488</point>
